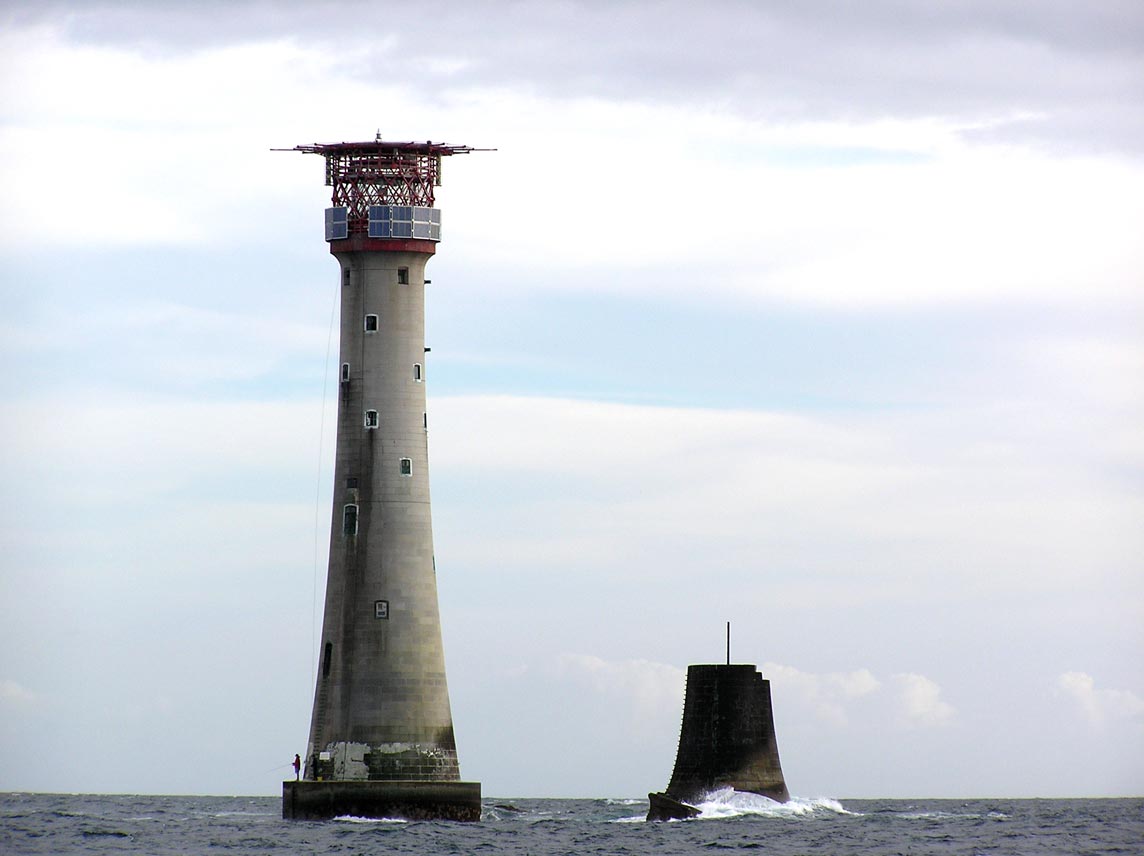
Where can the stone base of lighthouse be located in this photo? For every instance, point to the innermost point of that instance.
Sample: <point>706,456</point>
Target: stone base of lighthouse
<point>727,739</point>
<point>408,800</point>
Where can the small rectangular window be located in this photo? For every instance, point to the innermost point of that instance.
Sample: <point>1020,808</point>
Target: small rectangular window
<point>417,372</point>
<point>371,419</point>
<point>351,483</point>
<point>371,323</point>
<point>346,276</point>
<point>403,276</point>
<point>381,609</point>
<point>349,519</point>
<point>407,466</point>
<point>327,655</point>
<point>425,420</point>
<point>345,372</point>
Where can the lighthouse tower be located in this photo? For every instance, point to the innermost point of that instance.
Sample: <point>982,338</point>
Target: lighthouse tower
<point>381,735</point>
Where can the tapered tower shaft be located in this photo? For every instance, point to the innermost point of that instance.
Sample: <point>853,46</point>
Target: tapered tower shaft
<point>381,704</point>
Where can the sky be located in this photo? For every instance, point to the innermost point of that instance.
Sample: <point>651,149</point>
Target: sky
<point>822,318</point>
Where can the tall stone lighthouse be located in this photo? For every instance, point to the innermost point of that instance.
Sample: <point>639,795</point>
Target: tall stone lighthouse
<point>381,735</point>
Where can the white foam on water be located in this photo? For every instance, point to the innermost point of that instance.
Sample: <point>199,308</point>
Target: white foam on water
<point>953,815</point>
<point>349,818</point>
<point>727,802</point>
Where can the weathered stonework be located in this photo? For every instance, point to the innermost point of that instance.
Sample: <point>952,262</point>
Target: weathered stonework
<point>381,731</point>
<point>727,739</point>
<point>409,800</point>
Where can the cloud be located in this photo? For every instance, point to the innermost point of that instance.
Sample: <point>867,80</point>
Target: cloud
<point>1100,706</point>
<point>645,687</point>
<point>598,484</point>
<point>845,210</point>
<point>920,702</point>
<point>15,694</point>
<point>826,694</point>
<point>1077,69</point>
<point>838,207</point>
<point>193,167</point>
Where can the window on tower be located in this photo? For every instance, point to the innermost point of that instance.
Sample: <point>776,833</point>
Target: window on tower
<point>407,466</point>
<point>349,519</point>
<point>371,419</point>
<point>345,372</point>
<point>371,323</point>
<point>417,372</point>
<point>403,276</point>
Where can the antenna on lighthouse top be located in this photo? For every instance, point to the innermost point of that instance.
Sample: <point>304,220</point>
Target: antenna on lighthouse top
<point>728,643</point>
<point>377,173</point>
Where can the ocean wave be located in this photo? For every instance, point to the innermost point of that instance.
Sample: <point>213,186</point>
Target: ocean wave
<point>952,815</point>
<point>350,818</point>
<point>727,802</point>
<point>108,833</point>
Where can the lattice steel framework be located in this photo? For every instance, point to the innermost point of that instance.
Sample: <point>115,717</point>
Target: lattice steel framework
<point>382,173</point>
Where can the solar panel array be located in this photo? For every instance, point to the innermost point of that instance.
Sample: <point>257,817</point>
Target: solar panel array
<point>337,223</point>
<point>404,221</point>
<point>388,221</point>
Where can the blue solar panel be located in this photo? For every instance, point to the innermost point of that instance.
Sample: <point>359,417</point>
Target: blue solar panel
<point>420,230</point>
<point>379,212</point>
<point>402,230</point>
<point>379,229</point>
<point>336,226</point>
<point>402,212</point>
<point>434,232</point>
<point>435,215</point>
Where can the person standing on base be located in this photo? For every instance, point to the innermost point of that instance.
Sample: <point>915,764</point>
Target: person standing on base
<point>297,766</point>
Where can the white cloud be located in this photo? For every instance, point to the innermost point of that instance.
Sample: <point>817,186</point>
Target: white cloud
<point>170,343</point>
<point>13,693</point>
<point>826,694</point>
<point>645,687</point>
<point>946,222</point>
<point>138,446</point>
<point>920,701</point>
<point>888,211</point>
<point>1103,371</point>
<point>615,480</point>
<point>164,149</point>
<point>1074,70</point>
<point>1100,706</point>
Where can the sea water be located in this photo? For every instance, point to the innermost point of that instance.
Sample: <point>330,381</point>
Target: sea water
<point>159,825</point>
